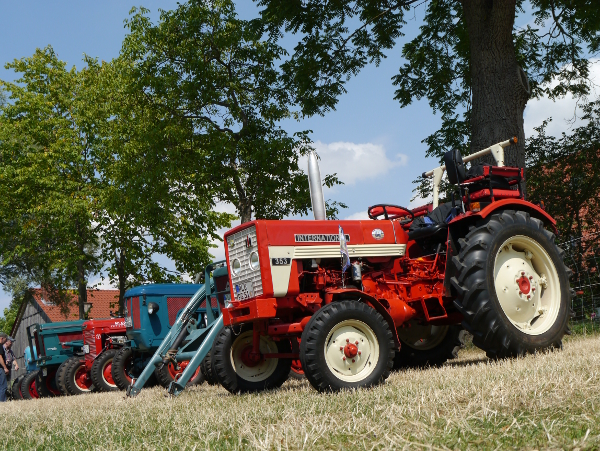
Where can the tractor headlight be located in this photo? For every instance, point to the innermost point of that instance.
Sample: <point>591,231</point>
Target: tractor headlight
<point>254,264</point>
<point>236,267</point>
<point>152,308</point>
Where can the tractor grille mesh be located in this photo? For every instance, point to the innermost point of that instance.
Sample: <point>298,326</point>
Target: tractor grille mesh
<point>247,278</point>
<point>89,339</point>
<point>213,303</point>
<point>135,312</point>
<point>173,306</point>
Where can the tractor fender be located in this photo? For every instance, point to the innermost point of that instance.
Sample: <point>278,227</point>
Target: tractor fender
<point>349,293</point>
<point>517,204</point>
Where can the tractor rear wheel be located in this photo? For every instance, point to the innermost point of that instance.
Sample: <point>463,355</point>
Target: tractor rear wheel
<point>207,371</point>
<point>427,345</point>
<point>16,388</point>
<point>46,385</point>
<point>77,377</point>
<point>346,344</point>
<point>512,286</point>
<point>101,372</point>
<point>168,373</point>
<point>28,389</point>
<point>235,369</point>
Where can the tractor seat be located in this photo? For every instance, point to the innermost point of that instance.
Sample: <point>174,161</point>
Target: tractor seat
<point>433,226</point>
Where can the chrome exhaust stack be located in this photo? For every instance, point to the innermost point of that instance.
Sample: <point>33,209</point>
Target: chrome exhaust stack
<point>316,188</point>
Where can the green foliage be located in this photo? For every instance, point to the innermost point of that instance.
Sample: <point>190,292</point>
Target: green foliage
<point>216,85</point>
<point>17,287</point>
<point>563,174</point>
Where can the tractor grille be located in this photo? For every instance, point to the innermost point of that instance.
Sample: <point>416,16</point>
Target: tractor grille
<point>135,312</point>
<point>173,306</point>
<point>213,303</point>
<point>247,283</point>
<point>89,339</point>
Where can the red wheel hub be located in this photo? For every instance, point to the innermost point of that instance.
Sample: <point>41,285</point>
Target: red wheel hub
<point>107,374</point>
<point>83,379</point>
<point>250,358</point>
<point>350,350</point>
<point>176,373</point>
<point>524,285</point>
<point>32,390</point>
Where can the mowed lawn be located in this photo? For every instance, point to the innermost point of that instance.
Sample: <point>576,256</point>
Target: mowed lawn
<point>550,400</point>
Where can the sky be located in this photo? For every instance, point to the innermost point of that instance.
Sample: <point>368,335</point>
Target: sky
<point>372,144</point>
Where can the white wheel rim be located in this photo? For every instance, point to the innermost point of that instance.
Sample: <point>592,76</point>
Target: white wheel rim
<point>422,337</point>
<point>527,285</point>
<point>262,370</point>
<point>343,360</point>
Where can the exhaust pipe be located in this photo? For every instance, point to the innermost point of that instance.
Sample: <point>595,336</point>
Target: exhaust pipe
<point>316,188</point>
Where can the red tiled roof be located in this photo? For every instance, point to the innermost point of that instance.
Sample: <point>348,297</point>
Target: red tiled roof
<point>103,302</point>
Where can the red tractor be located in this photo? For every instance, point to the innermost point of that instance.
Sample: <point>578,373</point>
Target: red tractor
<point>102,338</point>
<point>347,298</point>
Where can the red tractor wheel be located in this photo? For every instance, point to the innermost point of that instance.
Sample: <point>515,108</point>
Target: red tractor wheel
<point>169,373</point>
<point>102,371</point>
<point>28,389</point>
<point>122,368</point>
<point>46,385</point>
<point>77,377</point>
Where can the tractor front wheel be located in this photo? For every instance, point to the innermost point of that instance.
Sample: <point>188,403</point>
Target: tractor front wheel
<point>77,377</point>
<point>346,344</point>
<point>168,373</point>
<point>102,371</point>
<point>122,368</point>
<point>512,286</point>
<point>46,385</point>
<point>236,368</point>
<point>28,389</point>
<point>16,388</point>
<point>428,345</point>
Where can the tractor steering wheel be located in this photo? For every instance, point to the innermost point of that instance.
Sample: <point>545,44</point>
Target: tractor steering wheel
<point>390,212</point>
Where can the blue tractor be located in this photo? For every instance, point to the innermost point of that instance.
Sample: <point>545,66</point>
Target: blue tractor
<point>150,312</point>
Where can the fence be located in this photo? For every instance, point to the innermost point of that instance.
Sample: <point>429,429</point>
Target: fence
<point>582,255</point>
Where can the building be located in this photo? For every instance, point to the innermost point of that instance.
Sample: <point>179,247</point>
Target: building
<point>38,310</point>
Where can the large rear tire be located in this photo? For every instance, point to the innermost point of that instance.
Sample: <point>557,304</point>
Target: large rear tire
<point>427,345</point>
<point>512,286</point>
<point>102,371</point>
<point>60,377</point>
<point>28,389</point>
<point>237,373</point>
<point>346,344</point>
<point>122,368</point>
<point>166,374</point>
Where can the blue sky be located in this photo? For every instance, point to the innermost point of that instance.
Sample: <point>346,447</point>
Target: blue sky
<point>381,142</point>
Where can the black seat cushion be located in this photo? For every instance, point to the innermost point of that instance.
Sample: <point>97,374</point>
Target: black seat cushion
<point>433,232</point>
<point>455,168</point>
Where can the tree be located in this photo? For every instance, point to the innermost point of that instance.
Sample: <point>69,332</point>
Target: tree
<point>47,177</point>
<point>216,82</point>
<point>469,61</point>
<point>563,174</point>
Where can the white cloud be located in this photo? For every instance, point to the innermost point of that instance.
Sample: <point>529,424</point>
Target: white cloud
<point>562,111</point>
<point>100,283</point>
<point>359,215</point>
<point>354,162</point>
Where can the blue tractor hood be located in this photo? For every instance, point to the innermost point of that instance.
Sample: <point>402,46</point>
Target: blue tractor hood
<point>164,289</point>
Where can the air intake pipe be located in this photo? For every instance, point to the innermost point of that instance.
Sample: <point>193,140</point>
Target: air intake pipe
<point>316,188</point>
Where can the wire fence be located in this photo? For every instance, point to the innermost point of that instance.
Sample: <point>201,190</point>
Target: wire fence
<point>582,255</point>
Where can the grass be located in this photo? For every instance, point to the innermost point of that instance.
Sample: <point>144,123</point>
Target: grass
<point>550,400</point>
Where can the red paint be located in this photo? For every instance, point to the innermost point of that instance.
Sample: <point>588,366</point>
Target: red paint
<point>350,350</point>
<point>135,315</point>
<point>32,390</point>
<point>97,334</point>
<point>107,374</point>
<point>174,305</point>
<point>176,373</point>
<point>82,378</point>
<point>524,285</point>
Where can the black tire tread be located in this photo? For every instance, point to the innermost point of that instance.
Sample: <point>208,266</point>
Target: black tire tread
<point>60,376</point>
<point>118,367</point>
<point>16,388</point>
<point>207,371</point>
<point>96,372</point>
<point>70,370</point>
<point>27,380</point>
<point>409,357</point>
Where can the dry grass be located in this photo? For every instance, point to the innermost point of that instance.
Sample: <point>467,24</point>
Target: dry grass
<point>545,401</point>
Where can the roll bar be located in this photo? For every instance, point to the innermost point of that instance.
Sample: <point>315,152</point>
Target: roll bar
<point>497,151</point>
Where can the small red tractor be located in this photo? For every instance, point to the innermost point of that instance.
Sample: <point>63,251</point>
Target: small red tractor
<point>102,338</point>
<point>348,298</point>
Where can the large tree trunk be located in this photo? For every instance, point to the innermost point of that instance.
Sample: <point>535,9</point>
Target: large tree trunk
<point>122,282</point>
<point>499,86</point>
